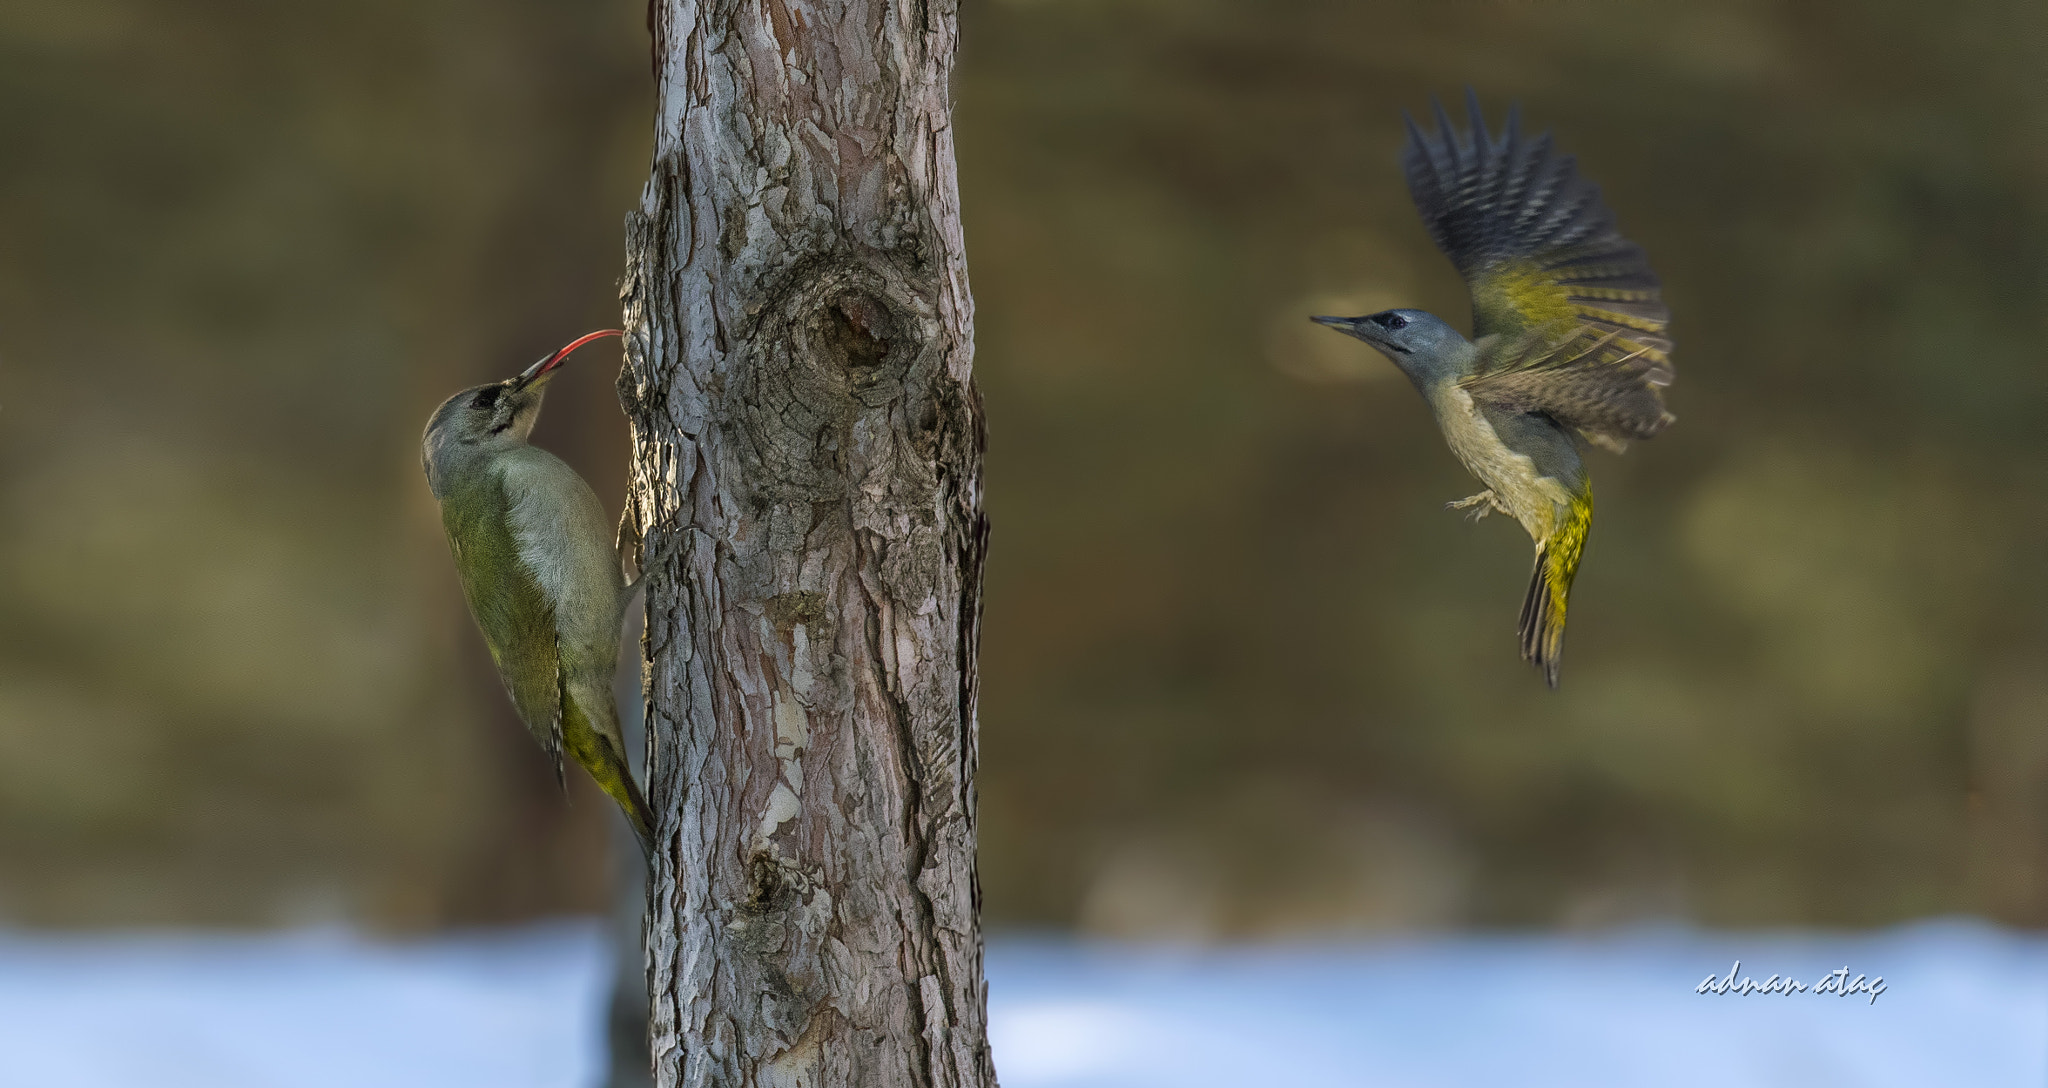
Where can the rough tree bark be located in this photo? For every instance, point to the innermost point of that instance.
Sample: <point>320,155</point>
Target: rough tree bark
<point>807,447</point>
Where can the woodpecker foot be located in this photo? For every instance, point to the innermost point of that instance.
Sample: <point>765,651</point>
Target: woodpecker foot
<point>1481,505</point>
<point>627,542</point>
<point>671,546</point>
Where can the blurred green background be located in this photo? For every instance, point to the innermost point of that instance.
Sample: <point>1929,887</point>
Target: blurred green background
<point>1243,675</point>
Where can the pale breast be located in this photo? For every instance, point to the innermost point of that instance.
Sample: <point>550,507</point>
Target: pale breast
<point>1533,499</point>
<point>562,537</point>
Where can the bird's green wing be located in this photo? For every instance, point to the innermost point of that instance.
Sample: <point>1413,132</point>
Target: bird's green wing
<point>1567,314</point>
<point>1583,381</point>
<point>514,615</point>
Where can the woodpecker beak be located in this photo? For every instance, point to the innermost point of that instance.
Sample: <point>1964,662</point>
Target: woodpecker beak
<point>538,374</point>
<point>1350,326</point>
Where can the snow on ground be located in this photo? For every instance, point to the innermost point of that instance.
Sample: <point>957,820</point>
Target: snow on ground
<point>1963,1004</point>
<point>304,1010</point>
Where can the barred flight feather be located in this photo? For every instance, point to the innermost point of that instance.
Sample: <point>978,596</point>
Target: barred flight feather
<point>1570,318</point>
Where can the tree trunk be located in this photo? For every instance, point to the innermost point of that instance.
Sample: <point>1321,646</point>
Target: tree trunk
<point>807,447</point>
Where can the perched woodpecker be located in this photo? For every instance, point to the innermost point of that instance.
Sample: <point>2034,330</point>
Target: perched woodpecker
<point>540,570</point>
<point>1568,343</point>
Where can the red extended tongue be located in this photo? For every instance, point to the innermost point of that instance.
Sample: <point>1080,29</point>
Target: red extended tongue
<point>562,355</point>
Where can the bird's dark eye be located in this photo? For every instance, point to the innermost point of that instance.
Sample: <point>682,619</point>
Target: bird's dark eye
<point>487,398</point>
<point>1391,321</point>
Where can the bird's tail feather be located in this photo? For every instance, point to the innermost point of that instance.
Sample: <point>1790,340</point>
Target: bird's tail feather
<point>638,814</point>
<point>1550,585</point>
<point>1542,624</point>
<point>597,749</point>
<point>615,777</point>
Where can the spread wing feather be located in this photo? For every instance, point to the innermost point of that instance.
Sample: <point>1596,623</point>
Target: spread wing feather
<point>1583,381</point>
<point>1568,316</point>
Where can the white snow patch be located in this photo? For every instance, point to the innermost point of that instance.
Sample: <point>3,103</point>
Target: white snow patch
<point>1964,1004</point>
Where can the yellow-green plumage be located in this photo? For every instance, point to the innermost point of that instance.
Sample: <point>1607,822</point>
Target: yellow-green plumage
<point>1550,586</point>
<point>535,556</point>
<point>517,621</point>
<point>1568,343</point>
<point>1568,325</point>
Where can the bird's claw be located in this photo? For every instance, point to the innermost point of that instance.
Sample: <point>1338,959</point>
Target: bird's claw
<point>1481,505</point>
<point>626,543</point>
<point>671,546</point>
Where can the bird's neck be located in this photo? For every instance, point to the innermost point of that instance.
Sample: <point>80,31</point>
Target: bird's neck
<point>451,461</point>
<point>1433,371</point>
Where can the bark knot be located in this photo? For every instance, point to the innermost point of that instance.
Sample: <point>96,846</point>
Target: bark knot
<point>859,328</point>
<point>838,344</point>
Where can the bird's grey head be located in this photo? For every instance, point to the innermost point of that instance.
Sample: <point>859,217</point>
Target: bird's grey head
<point>1419,342</point>
<point>471,425</point>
